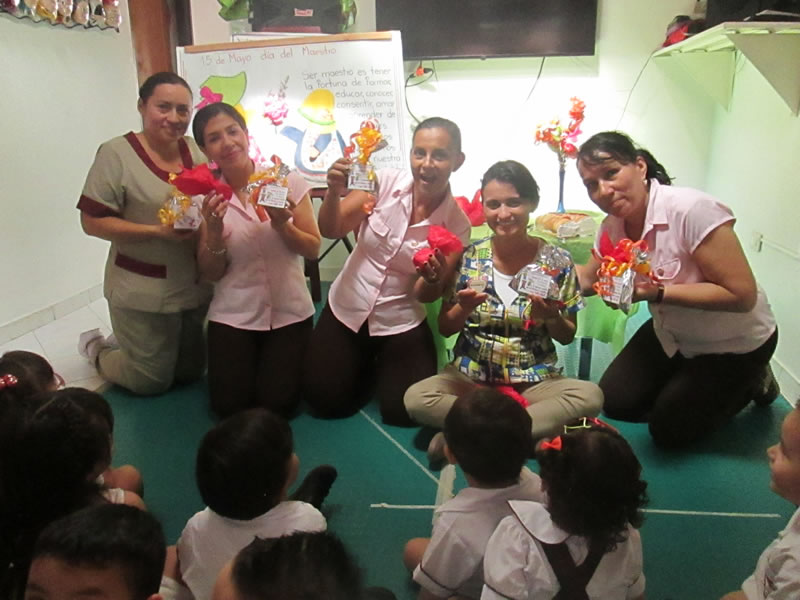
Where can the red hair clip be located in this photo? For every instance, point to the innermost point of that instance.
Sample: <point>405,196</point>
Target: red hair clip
<point>8,380</point>
<point>554,444</point>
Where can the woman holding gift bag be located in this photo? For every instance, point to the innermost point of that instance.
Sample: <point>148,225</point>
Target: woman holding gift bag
<point>506,336</point>
<point>373,329</point>
<point>260,319</point>
<point>156,304</point>
<point>705,353</point>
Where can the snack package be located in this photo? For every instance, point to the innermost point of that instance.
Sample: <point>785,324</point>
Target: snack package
<point>180,211</point>
<point>566,225</point>
<point>369,139</point>
<point>182,208</point>
<point>619,265</point>
<point>545,276</point>
<point>268,187</point>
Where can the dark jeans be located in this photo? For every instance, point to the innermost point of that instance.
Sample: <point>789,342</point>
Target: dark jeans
<point>248,369</point>
<point>682,399</point>
<point>342,366</point>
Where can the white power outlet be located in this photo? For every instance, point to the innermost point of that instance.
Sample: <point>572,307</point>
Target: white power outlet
<point>757,241</point>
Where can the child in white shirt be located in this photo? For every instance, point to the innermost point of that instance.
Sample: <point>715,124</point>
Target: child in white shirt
<point>581,543</point>
<point>777,574</point>
<point>489,435</point>
<point>245,466</point>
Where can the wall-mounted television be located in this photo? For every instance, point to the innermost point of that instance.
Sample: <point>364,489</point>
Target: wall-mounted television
<point>490,28</point>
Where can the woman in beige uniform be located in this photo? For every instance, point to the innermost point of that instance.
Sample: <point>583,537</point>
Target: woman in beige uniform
<point>156,304</point>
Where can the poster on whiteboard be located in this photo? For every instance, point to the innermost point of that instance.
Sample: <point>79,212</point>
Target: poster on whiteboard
<point>303,97</point>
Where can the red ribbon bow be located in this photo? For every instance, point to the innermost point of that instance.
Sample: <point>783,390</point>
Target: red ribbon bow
<point>209,97</point>
<point>554,444</point>
<point>8,380</point>
<point>201,180</point>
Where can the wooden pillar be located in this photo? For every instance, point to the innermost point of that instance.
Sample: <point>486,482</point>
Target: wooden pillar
<point>157,27</point>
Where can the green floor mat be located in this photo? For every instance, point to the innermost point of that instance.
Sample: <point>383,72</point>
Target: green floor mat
<point>687,555</point>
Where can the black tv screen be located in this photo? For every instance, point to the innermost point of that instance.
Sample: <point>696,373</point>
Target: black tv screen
<point>490,28</point>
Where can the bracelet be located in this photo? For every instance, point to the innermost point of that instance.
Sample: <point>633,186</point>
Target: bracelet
<point>218,252</point>
<point>660,295</point>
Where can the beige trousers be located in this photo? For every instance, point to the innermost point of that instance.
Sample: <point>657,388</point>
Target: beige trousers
<point>553,402</point>
<point>155,349</point>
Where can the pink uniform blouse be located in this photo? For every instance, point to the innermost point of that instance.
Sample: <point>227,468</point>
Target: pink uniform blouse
<point>376,283</point>
<point>678,219</point>
<point>264,285</point>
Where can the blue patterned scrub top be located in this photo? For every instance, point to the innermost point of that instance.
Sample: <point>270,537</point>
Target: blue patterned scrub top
<point>500,344</point>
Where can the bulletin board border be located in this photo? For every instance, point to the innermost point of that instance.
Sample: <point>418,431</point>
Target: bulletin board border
<point>289,41</point>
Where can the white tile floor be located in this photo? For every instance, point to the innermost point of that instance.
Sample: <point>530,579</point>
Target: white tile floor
<point>58,343</point>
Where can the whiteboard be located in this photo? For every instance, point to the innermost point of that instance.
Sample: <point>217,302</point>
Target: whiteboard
<point>329,84</point>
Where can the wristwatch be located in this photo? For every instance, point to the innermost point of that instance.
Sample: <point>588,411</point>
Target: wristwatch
<point>660,295</point>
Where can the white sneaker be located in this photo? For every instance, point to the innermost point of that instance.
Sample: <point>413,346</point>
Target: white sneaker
<point>90,343</point>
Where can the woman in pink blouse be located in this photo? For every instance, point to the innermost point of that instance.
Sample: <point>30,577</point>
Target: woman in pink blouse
<point>705,353</point>
<point>373,329</point>
<point>260,319</point>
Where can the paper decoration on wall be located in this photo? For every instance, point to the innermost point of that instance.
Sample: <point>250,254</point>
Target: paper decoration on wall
<point>103,14</point>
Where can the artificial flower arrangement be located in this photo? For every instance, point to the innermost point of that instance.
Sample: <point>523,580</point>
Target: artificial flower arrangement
<point>561,140</point>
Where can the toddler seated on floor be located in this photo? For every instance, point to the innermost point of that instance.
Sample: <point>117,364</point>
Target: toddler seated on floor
<point>48,469</point>
<point>777,574</point>
<point>581,542</point>
<point>245,467</point>
<point>301,566</point>
<point>104,551</point>
<point>25,374</point>
<point>489,436</point>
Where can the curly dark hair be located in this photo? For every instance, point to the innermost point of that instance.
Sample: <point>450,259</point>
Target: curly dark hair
<point>594,485</point>
<point>615,145</point>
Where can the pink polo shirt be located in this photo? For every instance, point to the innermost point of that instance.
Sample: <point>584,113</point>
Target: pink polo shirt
<point>264,285</point>
<point>376,283</point>
<point>678,219</point>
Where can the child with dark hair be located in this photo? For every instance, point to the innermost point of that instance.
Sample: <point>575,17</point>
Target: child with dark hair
<point>32,372</point>
<point>23,374</point>
<point>581,543</point>
<point>777,573</point>
<point>105,551</point>
<point>245,466</point>
<point>48,472</point>
<point>121,485</point>
<point>301,566</point>
<point>489,435</point>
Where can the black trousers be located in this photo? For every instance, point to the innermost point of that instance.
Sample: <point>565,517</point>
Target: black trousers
<point>248,369</point>
<point>682,399</point>
<point>343,368</point>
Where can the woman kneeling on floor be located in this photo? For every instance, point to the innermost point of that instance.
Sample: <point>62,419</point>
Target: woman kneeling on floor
<point>506,337</point>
